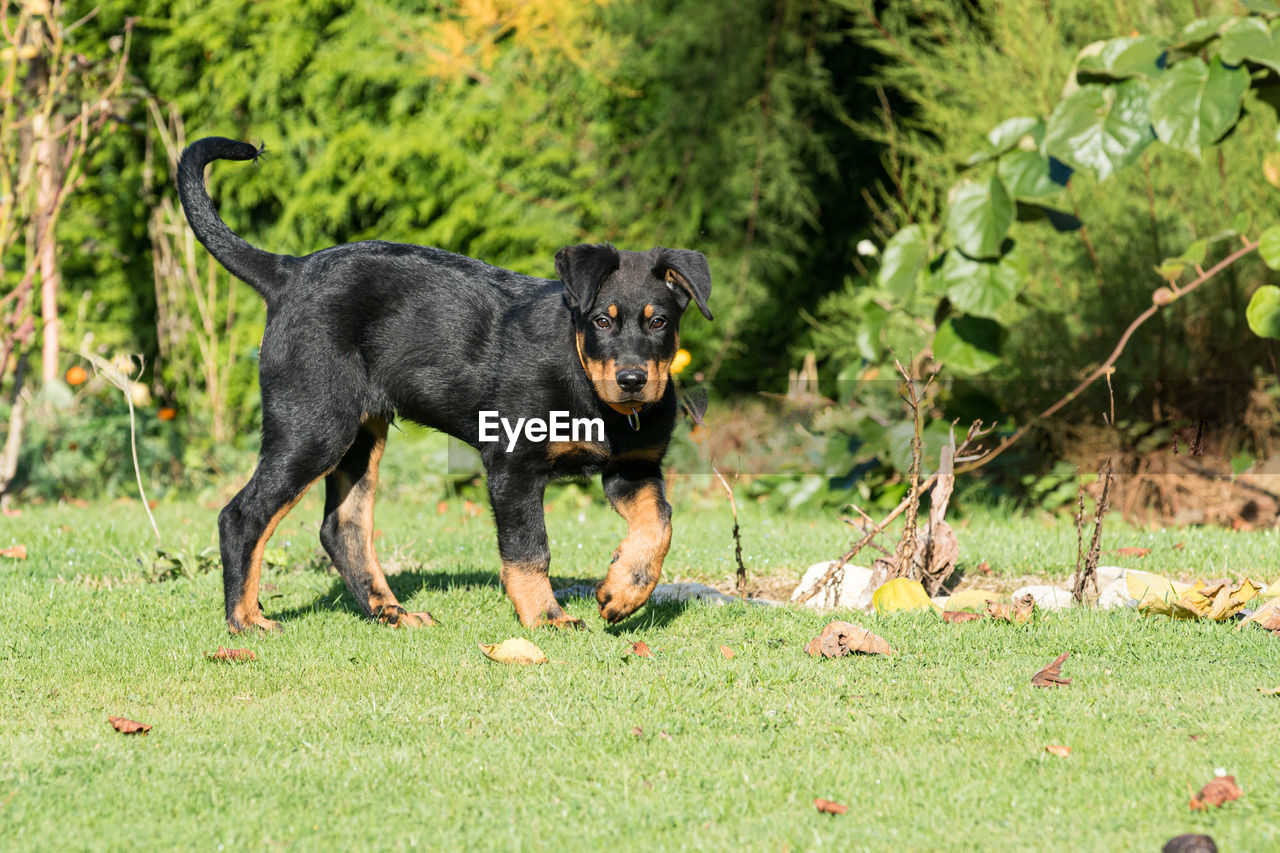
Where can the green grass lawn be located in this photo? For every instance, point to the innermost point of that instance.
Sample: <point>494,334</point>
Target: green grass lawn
<point>346,733</point>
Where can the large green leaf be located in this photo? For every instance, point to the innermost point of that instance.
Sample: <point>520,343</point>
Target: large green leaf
<point>968,345</point>
<point>1263,312</point>
<point>1026,175</point>
<point>1194,104</point>
<point>1099,128</point>
<point>1200,31</point>
<point>1008,134</point>
<point>870,319</point>
<point>979,216</point>
<point>904,256</point>
<point>982,288</point>
<point>1132,56</point>
<point>1252,39</point>
<point>1269,247</point>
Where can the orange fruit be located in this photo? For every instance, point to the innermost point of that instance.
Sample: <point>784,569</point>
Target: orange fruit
<point>77,375</point>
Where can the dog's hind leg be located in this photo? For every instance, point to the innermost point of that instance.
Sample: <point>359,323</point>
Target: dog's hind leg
<point>522,544</point>
<point>284,474</point>
<point>347,530</point>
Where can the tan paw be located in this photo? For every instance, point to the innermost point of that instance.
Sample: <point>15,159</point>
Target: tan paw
<point>618,601</point>
<point>420,619</point>
<point>397,617</point>
<point>253,622</point>
<point>563,622</point>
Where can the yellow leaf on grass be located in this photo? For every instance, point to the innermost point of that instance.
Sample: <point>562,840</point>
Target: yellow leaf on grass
<point>1158,595</point>
<point>901,594</point>
<point>1155,593</point>
<point>516,650</point>
<point>1268,616</point>
<point>972,599</point>
<point>1220,601</point>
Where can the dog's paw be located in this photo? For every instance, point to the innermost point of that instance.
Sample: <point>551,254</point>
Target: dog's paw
<point>420,619</point>
<point>618,601</point>
<point>397,617</point>
<point>564,623</point>
<point>256,622</point>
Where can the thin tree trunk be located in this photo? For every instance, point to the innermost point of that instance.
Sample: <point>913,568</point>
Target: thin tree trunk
<point>46,201</point>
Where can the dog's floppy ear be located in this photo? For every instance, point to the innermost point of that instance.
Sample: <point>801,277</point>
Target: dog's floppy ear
<point>582,268</point>
<point>688,274</point>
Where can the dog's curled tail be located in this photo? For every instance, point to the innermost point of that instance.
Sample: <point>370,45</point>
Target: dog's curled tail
<point>265,271</point>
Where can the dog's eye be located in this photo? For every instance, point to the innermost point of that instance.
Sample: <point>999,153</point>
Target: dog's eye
<point>658,323</point>
<point>602,322</point>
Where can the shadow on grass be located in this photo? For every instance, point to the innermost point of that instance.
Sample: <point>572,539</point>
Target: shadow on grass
<point>408,583</point>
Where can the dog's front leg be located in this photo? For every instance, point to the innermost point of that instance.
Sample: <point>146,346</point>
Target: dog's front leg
<point>635,489</point>
<point>522,544</point>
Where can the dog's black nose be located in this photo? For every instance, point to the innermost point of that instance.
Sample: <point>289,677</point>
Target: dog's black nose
<point>631,379</point>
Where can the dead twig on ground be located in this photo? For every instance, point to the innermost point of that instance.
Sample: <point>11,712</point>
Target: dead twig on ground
<point>737,538</point>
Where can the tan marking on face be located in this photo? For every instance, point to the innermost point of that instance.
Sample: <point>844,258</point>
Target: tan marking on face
<point>639,557</point>
<point>603,375</point>
<point>613,311</point>
<point>648,311</point>
<point>529,589</point>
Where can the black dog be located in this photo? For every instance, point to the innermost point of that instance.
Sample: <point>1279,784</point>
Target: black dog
<point>359,334</point>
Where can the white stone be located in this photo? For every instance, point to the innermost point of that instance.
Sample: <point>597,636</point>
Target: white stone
<point>1047,597</point>
<point>1116,594</point>
<point>1107,575</point>
<point>666,593</point>
<point>844,592</point>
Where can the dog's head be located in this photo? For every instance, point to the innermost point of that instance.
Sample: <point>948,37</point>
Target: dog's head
<point>626,313</point>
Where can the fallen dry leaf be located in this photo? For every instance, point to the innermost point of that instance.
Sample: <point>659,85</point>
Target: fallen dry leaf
<point>637,731</point>
<point>1217,601</point>
<point>901,594</point>
<point>972,599</point>
<point>516,650</point>
<point>640,649</point>
<point>727,652</point>
<point>957,616</point>
<point>664,735</point>
<point>1018,612</point>
<point>1189,844</point>
<point>1058,750</point>
<point>1267,616</point>
<point>842,638</point>
<point>1051,675</point>
<point>984,567</point>
<point>1221,790</point>
<point>828,807</point>
<point>1133,552</point>
<point>128,727</point>
<point>17,552</point>
<point>1269,691</point>
<point>231,655</point>
<point>1023,608</point>
<point>1178,547</point>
